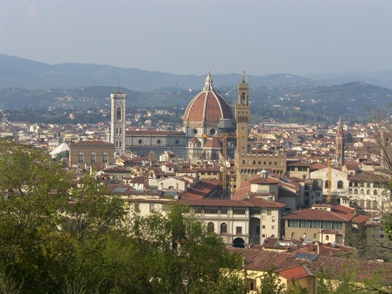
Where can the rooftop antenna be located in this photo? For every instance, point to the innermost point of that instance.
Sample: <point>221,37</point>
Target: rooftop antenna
<point>118,84</point>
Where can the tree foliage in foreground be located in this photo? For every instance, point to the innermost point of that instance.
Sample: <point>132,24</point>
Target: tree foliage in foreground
<point>56,237</point>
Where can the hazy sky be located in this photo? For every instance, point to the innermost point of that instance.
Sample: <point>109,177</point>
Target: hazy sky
<point>194,36</point>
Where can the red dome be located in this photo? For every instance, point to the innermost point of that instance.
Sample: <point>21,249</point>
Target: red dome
<point>208,105</point>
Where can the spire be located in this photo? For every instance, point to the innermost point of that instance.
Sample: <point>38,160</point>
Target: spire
<point>208,84</point>
<point>339,132</point>
<point>243,77</point>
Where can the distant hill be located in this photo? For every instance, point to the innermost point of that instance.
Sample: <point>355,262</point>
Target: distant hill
<point>283,97</point>
<point>17,72</point>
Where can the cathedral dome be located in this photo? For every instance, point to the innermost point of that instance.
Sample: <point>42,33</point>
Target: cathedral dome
<point>208,106</point>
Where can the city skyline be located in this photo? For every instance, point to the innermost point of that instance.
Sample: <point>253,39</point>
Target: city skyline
<point>183,37</point>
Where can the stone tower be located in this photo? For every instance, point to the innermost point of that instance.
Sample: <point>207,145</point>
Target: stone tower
<point>249,164</point>
<point>242,116</point>
<point>117,125</point>
<point>339,141</point>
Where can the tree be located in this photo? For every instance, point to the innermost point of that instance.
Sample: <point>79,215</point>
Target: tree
<point>60,237</point>
<point>270,283</point>
<point>181,256</point>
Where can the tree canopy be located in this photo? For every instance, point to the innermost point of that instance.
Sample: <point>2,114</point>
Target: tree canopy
<point>60,237</point>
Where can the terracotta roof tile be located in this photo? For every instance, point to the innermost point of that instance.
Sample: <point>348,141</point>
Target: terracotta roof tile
<point>295,273</point>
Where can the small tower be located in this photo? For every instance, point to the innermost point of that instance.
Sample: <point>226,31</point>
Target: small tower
<point>117,125</point>
<point>339,141</point>
<point>242,116</point>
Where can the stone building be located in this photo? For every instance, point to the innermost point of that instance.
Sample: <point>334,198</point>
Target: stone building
<point>249,164</point>
<point>84,153</point>
<point>207,117</point>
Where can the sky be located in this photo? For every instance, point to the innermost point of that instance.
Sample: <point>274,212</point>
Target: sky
<point>193,36</point>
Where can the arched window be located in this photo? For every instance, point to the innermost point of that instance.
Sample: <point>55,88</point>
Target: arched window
<point>210,227</point>
<point>355,191</point>
<point>80,157</point>
<point>340,185</point>
<point>327,237</point>
<point>119,113</point>
<point>326,184</point>
<point>223,228</point>
<point>93,157</point>
<point>104,157</point>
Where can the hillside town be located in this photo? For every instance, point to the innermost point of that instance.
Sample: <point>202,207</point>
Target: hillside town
<point>299,196</point>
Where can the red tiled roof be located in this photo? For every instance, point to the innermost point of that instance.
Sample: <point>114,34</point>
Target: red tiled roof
<point>298,163</point>
<point>319,214</point>
<point>264,181</point>
<point>337,268</point>
<point>359,219</point>
<point>213,143</point>
<point>207,106</point>
<point>214,202</point>
<point>295,273</point>
<point>259,202</point>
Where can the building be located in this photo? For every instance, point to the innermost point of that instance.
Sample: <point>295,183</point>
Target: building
<point>84,153</point>
<point>339,140</point>
<point>249,164</point>
<point>118,118</point>
<point>207,117</point>
<point>322,222</point>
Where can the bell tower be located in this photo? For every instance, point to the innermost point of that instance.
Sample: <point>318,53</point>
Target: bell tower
<point>242,116</point>
<point>339,141</point>
<point>117,125</point>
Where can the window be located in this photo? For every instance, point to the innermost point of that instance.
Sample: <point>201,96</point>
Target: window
<point>304,224</point>
<point>152,207</point>
<point>257,230</point>
<point>223,211</point>
<point>119,113</point>
<point>268,212</point>
<point>137,207</point>
<point>293,223</point>
<point>105,157</point>
<point>93,157</point>
<point>263,226</point>
<point>326,184</point>
<point>80,157</point>
<point>327,237</point>
<point>210,227</point>
<point>340,185</point>
<point>251,285</point>
<point>336,225</point>
<point>273,227</point>
<point>315,224</point>
<point>223,228</point>
<point>255,210</point>
<point>238,230</point>
<point>325,225</point>
<point>212,210</point>
<point>238,210</point>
